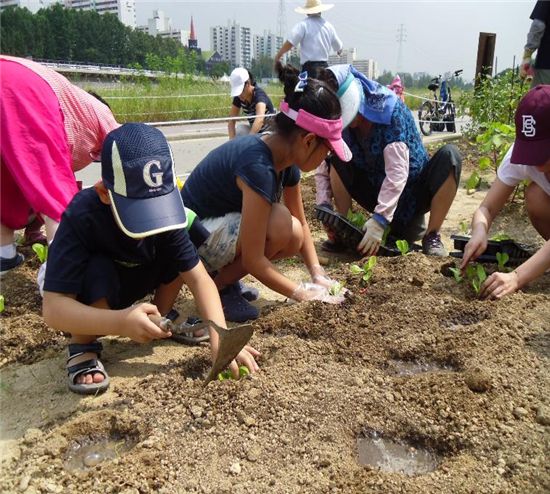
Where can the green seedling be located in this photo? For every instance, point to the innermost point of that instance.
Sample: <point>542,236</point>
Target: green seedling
<point>1,303</point>
<point>366,271</point>
<point>41,252</point>
<point>473,182</point>
<point>226,374</point>
<point>502,259</point>
<point>464,227</point>
<point>478,279</point>
<point>336,289</point>
<point>457,275</point>
<point>500,237</point>
<point>403,246</point>
<point>356,219</point>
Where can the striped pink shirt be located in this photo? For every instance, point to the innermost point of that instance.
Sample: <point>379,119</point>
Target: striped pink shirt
<point>87,121</point>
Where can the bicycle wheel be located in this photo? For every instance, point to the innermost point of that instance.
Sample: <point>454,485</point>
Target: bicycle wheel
<point>425,117</point>
<point>450,123</point>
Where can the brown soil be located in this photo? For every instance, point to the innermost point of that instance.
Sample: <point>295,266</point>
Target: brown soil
<point>326,378</point>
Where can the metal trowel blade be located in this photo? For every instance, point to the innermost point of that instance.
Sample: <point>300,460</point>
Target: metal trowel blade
<point>232,341</point>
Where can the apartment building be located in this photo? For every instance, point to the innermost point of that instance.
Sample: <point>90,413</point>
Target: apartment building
<point>266,45</point>
<point>125,10</point>
<point>233,42</point>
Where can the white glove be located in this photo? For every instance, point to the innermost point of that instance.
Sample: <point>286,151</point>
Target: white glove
<point>311,291</point>
<point>372,238</point>
<point>319,277</point>
<point>40,278</point>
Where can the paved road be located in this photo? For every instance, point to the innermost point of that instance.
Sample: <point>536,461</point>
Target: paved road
<point>191,143</point>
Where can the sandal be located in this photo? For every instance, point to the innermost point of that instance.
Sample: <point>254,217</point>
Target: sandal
<point>84,359</point>
<point>184,332</point>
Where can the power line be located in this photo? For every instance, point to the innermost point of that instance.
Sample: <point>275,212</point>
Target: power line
<point>401,38</point>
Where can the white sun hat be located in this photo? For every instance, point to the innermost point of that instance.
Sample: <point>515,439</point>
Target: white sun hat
<point>313,7</point>
<point>350,92</point>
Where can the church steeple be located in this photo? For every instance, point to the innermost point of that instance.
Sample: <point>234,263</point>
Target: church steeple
<point>192,43</point>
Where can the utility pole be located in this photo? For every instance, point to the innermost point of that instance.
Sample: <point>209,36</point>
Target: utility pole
<point>401,38</point>
<point>281,20</point>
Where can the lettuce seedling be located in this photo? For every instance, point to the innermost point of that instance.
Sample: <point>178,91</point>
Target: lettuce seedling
<point>226,374</point>
<point>403,246</point>
<point>457,275</point>
<point>500,237</point>
<point>502,259</point>
<point>367,269</point>
<point>356,219</point>
<point>1,303</point>
<point>336,289</point>
<point>478,279</point>
<point>41,252</point>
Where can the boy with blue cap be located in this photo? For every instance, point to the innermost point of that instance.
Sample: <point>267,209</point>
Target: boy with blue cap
<point>118,242</point>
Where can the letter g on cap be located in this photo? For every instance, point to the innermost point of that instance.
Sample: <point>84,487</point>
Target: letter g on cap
<point>152,179</point>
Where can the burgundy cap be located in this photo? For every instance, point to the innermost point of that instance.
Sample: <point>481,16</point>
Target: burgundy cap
<point>532,144</point>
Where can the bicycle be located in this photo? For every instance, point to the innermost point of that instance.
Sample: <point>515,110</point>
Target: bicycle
<point>438,114</point>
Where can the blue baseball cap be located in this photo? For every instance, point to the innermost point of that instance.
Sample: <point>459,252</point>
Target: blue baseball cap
<point>137,168</point>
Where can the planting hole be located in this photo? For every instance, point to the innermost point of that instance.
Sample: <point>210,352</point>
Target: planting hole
<point>464,317</point>
<point>395,456</point>
<point>87,453</point>
<point>398,367</point>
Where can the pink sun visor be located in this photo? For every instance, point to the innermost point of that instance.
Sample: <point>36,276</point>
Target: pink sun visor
<point>331,130</point>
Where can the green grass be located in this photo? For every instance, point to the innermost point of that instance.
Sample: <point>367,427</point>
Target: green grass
<point>145,101</point>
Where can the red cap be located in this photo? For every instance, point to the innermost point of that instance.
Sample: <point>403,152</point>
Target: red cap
<point>532,144</point>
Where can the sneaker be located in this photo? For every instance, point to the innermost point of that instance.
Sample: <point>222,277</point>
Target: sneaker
<point>433,246</point>
<point>12,262</point>
<point>248,292</point>
<point>235,307</point>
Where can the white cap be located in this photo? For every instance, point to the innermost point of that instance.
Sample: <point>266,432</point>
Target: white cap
<point>238,79</point>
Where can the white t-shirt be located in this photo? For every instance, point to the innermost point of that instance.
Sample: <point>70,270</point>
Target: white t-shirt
<point>512,174</point>
<point>316,37</point>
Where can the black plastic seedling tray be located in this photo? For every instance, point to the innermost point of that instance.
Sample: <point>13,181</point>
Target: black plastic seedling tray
<point>347,232</point>
<point>517,252</point>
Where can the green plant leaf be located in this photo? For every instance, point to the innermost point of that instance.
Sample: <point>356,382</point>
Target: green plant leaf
<point>403,246</point>
<point>502,259</point>
<point>41,252</point>
<point>473,181</point>
<point>369,265</point>
<point>456,274</point>
<point>355,269</point>
<point>485,163</point>
<point>1,303</point>
<point>476,285</point>
<point>481,274</point>
<point>367,276</point>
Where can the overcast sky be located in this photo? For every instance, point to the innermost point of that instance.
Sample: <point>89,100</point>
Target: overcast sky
<point>441,35</point>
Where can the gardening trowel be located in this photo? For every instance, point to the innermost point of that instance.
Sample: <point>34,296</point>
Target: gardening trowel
<point>232,340</point>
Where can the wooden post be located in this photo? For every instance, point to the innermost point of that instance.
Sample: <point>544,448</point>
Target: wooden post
<point>485,55</point>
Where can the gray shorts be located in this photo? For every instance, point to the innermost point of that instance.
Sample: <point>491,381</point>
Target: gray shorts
<point>221,246</point>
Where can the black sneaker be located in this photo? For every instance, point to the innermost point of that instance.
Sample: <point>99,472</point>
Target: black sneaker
<point>13,262</point>
<point>433,246</point>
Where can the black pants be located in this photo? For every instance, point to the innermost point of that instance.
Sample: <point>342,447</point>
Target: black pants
<point>313,68</point>
<point>431,179</point>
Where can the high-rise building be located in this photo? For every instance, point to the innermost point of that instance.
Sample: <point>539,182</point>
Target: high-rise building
<point>347,56</point>
<point>125,10</point>
<point>33,5</point>
<point>266,45</point>
<point>161,25</point>
<point>233,42</point>
<point>368,66</point>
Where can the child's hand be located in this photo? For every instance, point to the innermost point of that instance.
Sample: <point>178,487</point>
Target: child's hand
<point>137,326</point>
<point>474,248</point>
<point>499,284</point>
<point>246,357</point>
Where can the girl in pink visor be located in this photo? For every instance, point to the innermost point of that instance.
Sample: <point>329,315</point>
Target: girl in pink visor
<point>237,189</point>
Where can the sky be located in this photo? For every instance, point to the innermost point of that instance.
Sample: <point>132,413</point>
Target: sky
<point>440,36</point>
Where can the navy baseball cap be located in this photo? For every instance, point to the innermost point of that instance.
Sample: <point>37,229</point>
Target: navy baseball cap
<point>137,168</point>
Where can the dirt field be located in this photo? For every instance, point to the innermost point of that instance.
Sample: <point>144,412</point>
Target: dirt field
<point>330,375</point>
